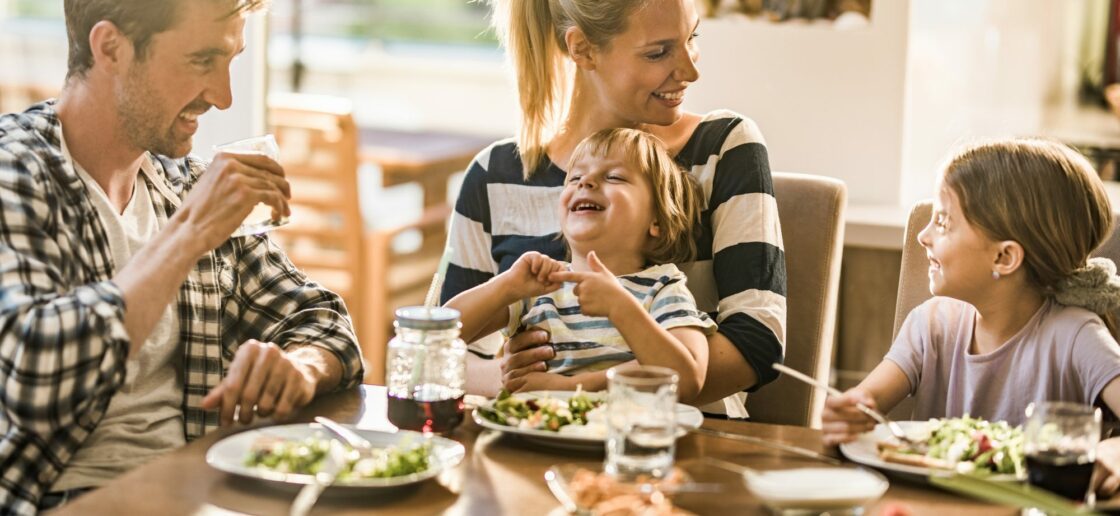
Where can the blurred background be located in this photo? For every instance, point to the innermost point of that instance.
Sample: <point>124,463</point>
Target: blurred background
<point>379,104</point>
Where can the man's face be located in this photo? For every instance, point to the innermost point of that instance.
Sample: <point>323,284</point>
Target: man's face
<point>184,73</point>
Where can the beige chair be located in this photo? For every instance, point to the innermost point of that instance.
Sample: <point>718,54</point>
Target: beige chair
<point>812,214</point>
<point>327,237</point>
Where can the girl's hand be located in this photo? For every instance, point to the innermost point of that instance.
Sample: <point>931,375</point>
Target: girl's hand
<point>1107,476</point>
<point>529,276</point>
<point>598,290</point>
<point>842,422</point>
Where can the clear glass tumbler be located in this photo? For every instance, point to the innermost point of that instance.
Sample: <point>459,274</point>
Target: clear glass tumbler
<point>641,421</point>
<point>260,219</point>
<point>426,370</point>
<point>1060,443</point>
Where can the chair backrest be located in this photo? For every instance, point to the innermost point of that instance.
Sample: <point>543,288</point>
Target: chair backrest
<point>913,281</point>
<point>811,209</point>
<point>319,151</point>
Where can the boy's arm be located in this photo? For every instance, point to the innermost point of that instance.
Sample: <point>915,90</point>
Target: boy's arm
<point>483,309</point>
<point>683,349</point>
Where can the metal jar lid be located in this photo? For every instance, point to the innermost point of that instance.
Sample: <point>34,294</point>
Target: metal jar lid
<point>420,318</point>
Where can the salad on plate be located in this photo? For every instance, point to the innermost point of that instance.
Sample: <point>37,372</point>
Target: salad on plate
<point>309,455</point>
<point>965,445</point>
<point>581,414</point>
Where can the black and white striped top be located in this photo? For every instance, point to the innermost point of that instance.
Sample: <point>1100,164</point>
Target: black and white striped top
<point>739,276</point>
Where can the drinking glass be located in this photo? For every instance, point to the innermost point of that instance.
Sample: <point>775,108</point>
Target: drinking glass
<point>260,219</point>
<point>426,370</point>
<point>1060,443</point>
<point>641,421</point>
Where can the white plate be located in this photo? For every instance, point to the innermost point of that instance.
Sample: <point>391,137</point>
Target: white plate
<point>229,454</point>
<point>865,450</point>
<point>688,418</point>
<point>816,489</point>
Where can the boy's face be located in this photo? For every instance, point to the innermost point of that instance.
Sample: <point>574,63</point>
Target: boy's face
<point>183,75</point>
<point>961,258</point>
<point>606,206</point>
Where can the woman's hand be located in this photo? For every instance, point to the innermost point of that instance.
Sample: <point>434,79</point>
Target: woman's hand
<point>529,276</point>
<point>525,353</point>
<point>598,290</point>
<point>540,382</point>
<point>842,422</point>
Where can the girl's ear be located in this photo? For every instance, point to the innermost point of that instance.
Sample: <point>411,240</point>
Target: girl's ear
<point>1009,258</point>
<point>580,48</point>
<point>655,230</point>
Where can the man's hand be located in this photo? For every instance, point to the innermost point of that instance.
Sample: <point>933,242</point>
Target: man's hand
<point>228,191</point>
<point>598,289</point>
<point>262,379</point>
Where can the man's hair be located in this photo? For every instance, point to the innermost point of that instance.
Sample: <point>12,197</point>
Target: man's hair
<point>139,20</point>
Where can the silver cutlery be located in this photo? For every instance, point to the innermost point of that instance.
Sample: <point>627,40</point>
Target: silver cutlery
<point>336,460</point>
<point>802,452</point>
<point>892,426</point>
<point>309,494</point>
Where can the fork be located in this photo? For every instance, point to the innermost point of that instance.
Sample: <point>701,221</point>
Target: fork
<point>891,425</point>
<point>348,436</point>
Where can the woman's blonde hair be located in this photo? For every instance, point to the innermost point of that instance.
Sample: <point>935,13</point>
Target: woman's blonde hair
<point>1041,194</point>
<point>532,31</point>
<point>675,193</point>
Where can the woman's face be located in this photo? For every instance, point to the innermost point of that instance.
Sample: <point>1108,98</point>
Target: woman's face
<point>641,75</point>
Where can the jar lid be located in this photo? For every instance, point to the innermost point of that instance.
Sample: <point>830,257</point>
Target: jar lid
<point>420,318</point>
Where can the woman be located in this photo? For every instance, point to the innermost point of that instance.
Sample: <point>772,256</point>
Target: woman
<point>587,65</point>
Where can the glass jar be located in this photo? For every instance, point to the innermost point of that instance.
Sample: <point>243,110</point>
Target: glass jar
<point>426,370</point>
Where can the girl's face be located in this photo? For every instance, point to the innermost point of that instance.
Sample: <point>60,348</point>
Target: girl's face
<point>961,258</point>
<point>607,206</point>
<point>641,75</point>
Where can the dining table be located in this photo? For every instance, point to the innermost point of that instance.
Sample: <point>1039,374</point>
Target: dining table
<point>500,474</point>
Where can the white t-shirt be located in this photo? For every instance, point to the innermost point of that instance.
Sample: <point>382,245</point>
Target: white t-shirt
<point>1063,353</point>
<point>145,417</point>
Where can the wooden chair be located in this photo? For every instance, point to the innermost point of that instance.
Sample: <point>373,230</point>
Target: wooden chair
<point>327,238</point>
<point>811,209</point>
<point>15,97</point>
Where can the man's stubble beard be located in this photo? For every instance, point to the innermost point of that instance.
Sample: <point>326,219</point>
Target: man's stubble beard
<point>141,119</point>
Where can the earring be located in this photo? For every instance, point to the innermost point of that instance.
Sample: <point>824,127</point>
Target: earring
<point>995,275</point>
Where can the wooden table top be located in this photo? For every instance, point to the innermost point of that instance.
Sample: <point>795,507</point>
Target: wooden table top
<point>500,475</point>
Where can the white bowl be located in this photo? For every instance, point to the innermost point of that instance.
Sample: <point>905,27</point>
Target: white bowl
<point>816,489</point>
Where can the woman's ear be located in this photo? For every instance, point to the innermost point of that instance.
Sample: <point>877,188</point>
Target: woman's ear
<point>580,48</point>
<point>1009,257</point>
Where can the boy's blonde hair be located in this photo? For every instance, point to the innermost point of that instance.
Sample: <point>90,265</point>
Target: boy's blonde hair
<point>533,31</point>
<point>1041,194</point>
<point>675,193</point>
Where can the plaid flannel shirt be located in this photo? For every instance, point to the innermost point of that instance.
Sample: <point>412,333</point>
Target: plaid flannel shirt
<point>63,344</point>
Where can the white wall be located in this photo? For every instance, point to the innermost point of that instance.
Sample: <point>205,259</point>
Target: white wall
<point>976,70</point>
<point>828,101</point>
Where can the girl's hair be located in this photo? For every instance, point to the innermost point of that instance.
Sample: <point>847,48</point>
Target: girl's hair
<point>675,193</point>
<point>1049,199</point>
<point>532,31</point>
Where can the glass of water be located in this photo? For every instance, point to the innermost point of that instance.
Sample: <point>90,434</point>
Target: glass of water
<point>641,421</point>
<point>1060,443</point>
<point>260,219</point>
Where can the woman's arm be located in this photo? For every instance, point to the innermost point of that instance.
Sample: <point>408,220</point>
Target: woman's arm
<point>748,262</point>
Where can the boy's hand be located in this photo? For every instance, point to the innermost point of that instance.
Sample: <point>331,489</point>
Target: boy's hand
<point>841,421</point>
<point>598,290</point>
<point>530,275</point>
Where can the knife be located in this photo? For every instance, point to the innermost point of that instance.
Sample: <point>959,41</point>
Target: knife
<point>309,494</point>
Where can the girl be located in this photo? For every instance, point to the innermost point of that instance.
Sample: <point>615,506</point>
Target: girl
<point>625,209</point>
<point>1021,312</point>
<point>587,65</point>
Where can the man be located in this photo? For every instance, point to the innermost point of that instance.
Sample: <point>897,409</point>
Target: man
<point>130,321</point>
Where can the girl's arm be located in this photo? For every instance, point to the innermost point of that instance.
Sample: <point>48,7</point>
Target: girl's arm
<point>883,388</point>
